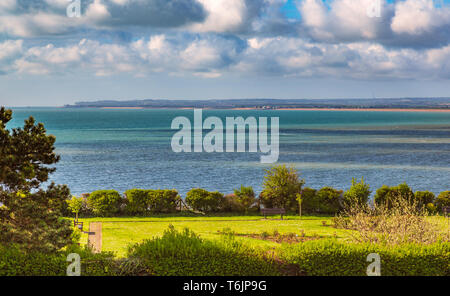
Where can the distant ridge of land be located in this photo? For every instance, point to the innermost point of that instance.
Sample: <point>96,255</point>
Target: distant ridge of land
<point>385,103</point>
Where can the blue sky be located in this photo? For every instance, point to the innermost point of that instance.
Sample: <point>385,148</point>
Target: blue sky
<point>218,49</point>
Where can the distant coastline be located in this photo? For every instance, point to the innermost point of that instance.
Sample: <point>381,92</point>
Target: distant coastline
<point>295,109</point>
<point>385,104</point>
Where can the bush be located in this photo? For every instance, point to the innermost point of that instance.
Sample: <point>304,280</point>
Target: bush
<point>232,204</point>
<point>201,200</point>
<point>104,202</point>
<point>14,262</point>
<point>186,254</point>
<point>327,200</point>
<point>402,222</point>
<point>423,198</point>
<point>333,258</point>
<point>245,197</point>
<point>308,196</point>
<point>140,202</point>
<point>387,195</point>
<point>358,193</point>
<point>443,200</point>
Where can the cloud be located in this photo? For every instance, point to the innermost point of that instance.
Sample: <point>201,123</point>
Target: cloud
<point>410,23</point>
<point>208,38</point>
<point>152,13</point>
<point>417,17</point>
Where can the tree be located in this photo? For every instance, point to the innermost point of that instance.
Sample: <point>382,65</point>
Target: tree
<point>357,194</point>
<point>280,188</point>
<point>245,197</point>
<point>75,204</point>
<point>300,200</point>
<point>30,216</point>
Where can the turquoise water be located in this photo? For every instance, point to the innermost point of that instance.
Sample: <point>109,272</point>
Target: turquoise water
<point>123,149</point>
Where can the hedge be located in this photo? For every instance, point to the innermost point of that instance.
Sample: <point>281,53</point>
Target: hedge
<point>141,202</point>
<point>104,202</point>
<point>333,258</point>
<point>186,254</point>
<point>201,200</point>
<point>14,262</point>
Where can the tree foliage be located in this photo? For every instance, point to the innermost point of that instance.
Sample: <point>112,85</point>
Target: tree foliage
<point>245,196</point>
<point>280,188</point>
<point>30,216</point>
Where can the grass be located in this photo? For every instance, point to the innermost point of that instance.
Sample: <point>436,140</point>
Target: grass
<point>119,232</point>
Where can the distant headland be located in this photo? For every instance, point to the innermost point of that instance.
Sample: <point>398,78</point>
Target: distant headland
<point>385,104</point>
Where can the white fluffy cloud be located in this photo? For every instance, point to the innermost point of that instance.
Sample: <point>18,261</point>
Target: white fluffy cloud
<point>214,56</point>
<point>417,17</point>
<point>410,39</point>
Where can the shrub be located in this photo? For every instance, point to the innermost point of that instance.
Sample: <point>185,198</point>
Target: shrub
<point>185,253</point>
<point>280,188</point>
<point>327,200</point>
<point>14,262</point>
<point>387,195</point>
<point>423,198</point>
<point>104,202</point>
<point>443,200</point>
<point>137,201</point>
<point>245,197</point>
<point>308,196</point>
<point>141,201</point>
<point>201,200</point>
<point>358,193</point>
<point>333,258</point>
<point>232,204</point>
<point>401,222</point>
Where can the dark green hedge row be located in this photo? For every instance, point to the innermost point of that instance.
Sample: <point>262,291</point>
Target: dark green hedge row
<point>140,201</point>
<point>332,258</point>
<point>14,262</point>
<point>186,254</point>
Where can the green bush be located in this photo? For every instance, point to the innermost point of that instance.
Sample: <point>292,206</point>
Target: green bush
<point>245,197</point>
<point>357,194</point>
<point>186,254</point>
<point>443,200</point>
<point>232,204</point>
<point>14,262</point>
<point>333,258</point>
<point>386,194</point>
<point>327,200</point>
<point>104,202</point>
<point>423,198</point>
<point>308,200</point>
<point>141,202</point>
<point>201,200</point>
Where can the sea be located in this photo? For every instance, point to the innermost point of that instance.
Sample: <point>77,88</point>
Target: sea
<point>131,148</point>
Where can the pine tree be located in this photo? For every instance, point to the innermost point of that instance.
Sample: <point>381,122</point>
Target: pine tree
<point>29,215</point>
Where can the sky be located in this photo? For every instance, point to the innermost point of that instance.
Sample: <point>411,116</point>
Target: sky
<point>221,49</point>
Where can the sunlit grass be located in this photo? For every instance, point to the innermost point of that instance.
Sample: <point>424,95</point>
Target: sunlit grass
<point>119,232</point>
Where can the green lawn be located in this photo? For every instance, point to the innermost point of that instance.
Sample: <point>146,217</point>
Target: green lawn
<point>119,232</point>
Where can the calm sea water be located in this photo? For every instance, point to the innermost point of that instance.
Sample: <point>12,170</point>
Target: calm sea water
<point>123,149</point>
